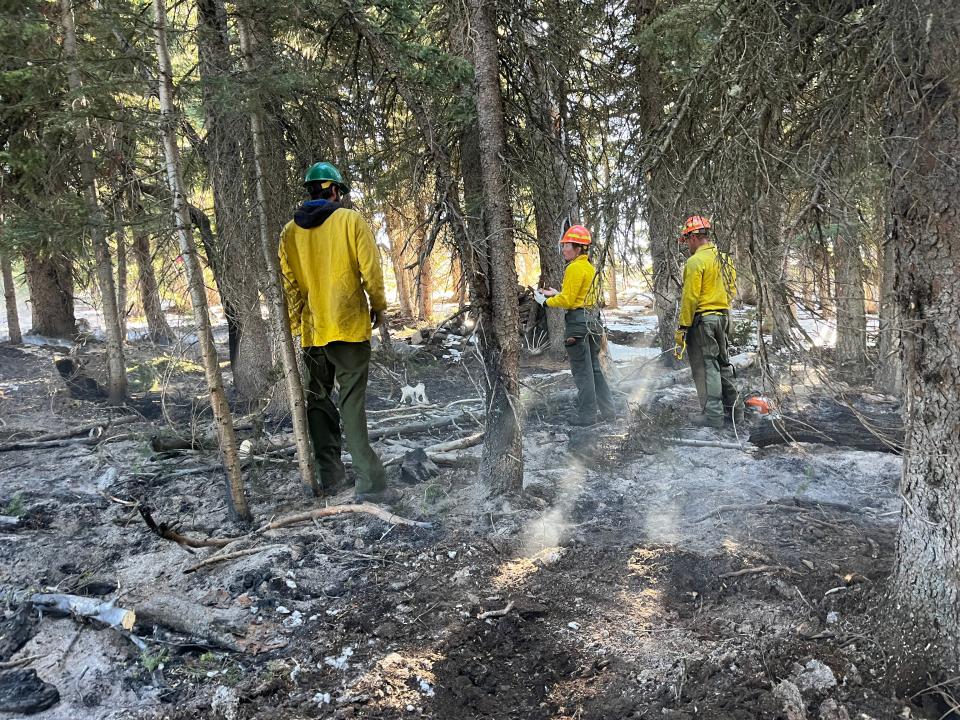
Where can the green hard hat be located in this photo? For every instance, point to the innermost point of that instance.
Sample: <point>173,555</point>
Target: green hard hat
<point>324,171</point>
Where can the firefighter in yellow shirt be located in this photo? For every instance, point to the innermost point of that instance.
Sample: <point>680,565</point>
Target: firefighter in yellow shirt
<point>334,289</point>
<point>709,282</point>
<point>579,297</point>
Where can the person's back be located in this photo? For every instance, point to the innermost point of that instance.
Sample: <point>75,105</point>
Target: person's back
<point>331,253</point>
<point>334,288</point>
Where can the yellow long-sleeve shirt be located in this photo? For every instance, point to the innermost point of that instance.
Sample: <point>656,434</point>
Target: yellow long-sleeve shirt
<point>709,282</point>
<point>579,288</point>
<point>328,272</point>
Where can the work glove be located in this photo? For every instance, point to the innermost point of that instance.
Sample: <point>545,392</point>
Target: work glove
<point>680,343</point>
<point>378,318</point>
<point>539,297</point>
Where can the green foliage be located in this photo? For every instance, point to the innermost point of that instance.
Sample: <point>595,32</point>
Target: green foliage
<point>153,660</point>
<point>15,507</point>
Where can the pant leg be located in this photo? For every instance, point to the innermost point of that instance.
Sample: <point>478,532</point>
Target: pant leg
<point>602,390</point>
<point>695,356</point>
<point>710,332</point>
<point>578,352</point>
<point>730,393</point>
<point>351,361</point>
<point>323,419</point>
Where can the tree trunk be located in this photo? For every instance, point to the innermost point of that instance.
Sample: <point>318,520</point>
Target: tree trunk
<point>50,281</point>
<point>424,277</point>
<point>923,141</point>
<point>117,372</point>
<point>122,277</point>
<point>398,257</point>
<point>275,298</point>
<point>236,252</point>
<point>236,499</point>
<point>851,310</point>
<point>459,282</point>
<point>664,255</point>
<point>889,378</point>
<point>613,298</point>
<point>501,465</point>
<point>10,296</point>
<point>157,326</point>
<point>549,219</point>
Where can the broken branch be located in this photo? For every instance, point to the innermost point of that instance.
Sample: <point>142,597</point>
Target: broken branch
<point>384,515</point>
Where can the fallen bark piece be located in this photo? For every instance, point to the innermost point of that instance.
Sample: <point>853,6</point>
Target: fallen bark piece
<point>318,513</point>
<point>21,691</point>
<point>9,522</point>
<point>84,607</point>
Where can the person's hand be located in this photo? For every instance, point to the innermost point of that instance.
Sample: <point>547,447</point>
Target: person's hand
<point>550,292</point>
<point>539,296</point>
<point>378,318</point>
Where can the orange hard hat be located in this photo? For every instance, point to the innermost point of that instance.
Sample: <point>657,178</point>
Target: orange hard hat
<point>577,234</point>
<point>695,224</point>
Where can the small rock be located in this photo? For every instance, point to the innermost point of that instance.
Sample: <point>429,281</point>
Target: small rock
<point>281,610</point>
<point>833,617</point>
<point>789,695</point>
<point>816,677</point>
<point>295,620</point>
<point>322,698</point>
<point>573,626</point>
<point>830,709</point>
<point>410,708</point>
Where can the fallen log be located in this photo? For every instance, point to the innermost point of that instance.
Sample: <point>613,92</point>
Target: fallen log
<point>837,425</point>
<point>70,434</point>
<point>219,628</point>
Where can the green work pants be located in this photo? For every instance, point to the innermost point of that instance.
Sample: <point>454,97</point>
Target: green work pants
<point>710,365</point>
<point>349,364</point>
<point>583,332</point>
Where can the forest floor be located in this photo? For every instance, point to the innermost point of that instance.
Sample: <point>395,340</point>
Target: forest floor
<point>640,578</point>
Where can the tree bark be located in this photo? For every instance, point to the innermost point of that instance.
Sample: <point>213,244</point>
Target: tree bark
<point>121,272</point>
<point>501,465</point>
<point>889,377</point>
<point>236,499</point>
<point>851,309</point>
<point>923,142</point>
<point>235,244</point>
<point>275,298</point>
<point>10,297</point>
<point>50,281</point>
<point>117,372</point>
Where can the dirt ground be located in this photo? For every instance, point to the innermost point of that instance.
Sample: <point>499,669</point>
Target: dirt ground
<point>635,577</point>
